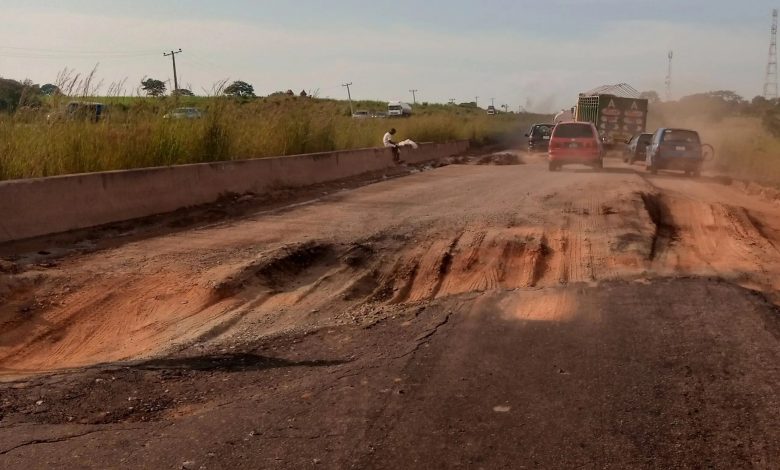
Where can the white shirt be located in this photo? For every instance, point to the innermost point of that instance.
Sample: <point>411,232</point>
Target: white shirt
<point>387,140</point>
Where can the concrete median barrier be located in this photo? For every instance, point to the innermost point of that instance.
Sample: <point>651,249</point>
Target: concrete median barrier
<point>42,206</point>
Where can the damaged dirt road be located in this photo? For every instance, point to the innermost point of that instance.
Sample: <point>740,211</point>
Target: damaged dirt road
<point>472,316</point>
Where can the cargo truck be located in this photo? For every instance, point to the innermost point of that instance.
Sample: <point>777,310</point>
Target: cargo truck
<point>617,111</point>
<point>398,109</point>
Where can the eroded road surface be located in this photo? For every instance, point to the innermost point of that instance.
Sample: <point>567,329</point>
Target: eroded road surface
<point>470,316</point>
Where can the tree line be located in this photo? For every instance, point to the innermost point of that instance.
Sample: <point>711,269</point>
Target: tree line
<point>26,94</point>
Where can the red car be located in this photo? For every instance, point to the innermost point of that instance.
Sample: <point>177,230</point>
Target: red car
<point>575,142</point>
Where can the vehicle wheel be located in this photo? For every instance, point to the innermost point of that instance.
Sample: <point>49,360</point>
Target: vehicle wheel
<point>552,166</point>
<point>652,169</point>
<point>631,160</point>
<point>599,165</point>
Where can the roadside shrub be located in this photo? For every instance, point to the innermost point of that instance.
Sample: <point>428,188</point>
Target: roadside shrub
<point>771,121</point>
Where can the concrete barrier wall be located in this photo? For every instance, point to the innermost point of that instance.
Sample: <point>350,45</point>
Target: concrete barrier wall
<point>42,206</point>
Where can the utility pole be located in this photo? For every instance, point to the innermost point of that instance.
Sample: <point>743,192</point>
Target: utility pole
<point>476,101</point>
<point>493,102</point>
<point>770,83</point>
<point>172,54</point>
<point>452,100</point>
<point>349,95</point>
<point>414,95</point>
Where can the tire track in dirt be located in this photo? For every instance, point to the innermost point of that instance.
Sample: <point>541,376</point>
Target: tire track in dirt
<point>585,234</point>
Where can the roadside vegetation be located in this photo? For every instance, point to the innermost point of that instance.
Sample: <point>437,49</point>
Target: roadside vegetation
<point>134,132</point>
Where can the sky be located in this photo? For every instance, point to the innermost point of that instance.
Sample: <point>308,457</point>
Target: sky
<point>534,54</point>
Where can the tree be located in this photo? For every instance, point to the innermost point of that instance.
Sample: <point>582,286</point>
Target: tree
<point>240,89</point>
<point>14,94</point>
<point>759,101</point>
<point>50,89</point>
<point>10,94</point>
<point>651,96</point>
<point>182,92</point>
<point>153,87</point>
<point>31,94</point>
<point>727,96</point>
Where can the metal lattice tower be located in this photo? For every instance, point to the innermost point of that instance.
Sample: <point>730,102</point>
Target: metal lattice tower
<point>669,77</point>
<point>770,84</point>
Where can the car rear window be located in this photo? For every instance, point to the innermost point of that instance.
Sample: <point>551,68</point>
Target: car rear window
<point>645,138</point>
<point>541,130</point>
<point>690,137</point>
<point>573,131</point>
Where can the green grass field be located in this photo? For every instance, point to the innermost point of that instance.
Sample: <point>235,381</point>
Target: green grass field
<point>135,135</point>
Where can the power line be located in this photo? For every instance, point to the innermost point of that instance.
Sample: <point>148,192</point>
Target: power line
<point>30,52</point>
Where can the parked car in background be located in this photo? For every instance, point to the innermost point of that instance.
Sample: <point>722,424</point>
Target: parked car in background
<point>361,114</point>
<point>636,147</point>
<point>575,142</point>
<point>675,149</point>
<point>539,137</point>
<point>80,110</point>
<point>184,113</point>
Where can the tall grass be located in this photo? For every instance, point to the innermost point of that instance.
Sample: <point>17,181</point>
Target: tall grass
<point>135,134</point>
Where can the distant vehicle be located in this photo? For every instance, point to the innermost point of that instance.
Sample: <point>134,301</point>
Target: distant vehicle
<point>361,114</point>
<point>491,110</point>
<point>616,110</point>
<point>539,137</point>
<point>575,142</point>
<point>635,148</point>
<point>184,113</point>
<point>676,149</point>
<point>80,110</point>
<point>398,109</point>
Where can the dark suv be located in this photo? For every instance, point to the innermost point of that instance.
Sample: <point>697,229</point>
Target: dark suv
<point>539,137</point>
<point>675,149</point>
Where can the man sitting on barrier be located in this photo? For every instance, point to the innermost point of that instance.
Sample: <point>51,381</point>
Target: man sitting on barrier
<point>387,140</point>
